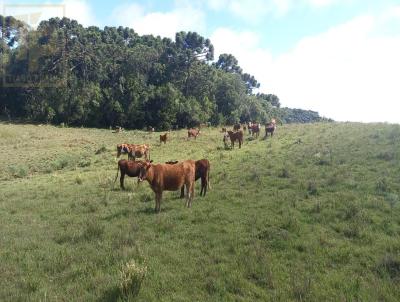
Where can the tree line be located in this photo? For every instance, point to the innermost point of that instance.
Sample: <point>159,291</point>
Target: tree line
<point>62,72</point>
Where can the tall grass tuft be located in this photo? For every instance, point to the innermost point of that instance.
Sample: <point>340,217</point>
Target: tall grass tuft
<point>132,275</point>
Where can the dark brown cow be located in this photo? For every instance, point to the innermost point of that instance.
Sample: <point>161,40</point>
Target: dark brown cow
<point>236,127</point>
<point>270,128</point>
<point>163,138</point>
<point>255,129</point>
<point>128,167</point>
<point>235,136</point>
<point>202,170</point>
<point>165,177</point>
<point>193,133</point>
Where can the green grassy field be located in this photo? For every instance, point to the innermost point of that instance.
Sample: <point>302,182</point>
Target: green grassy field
<point>310,215</point>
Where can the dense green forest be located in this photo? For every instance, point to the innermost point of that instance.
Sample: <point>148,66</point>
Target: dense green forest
<point>62,72</point>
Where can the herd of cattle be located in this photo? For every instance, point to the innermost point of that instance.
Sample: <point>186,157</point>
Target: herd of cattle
<point>174,175</point>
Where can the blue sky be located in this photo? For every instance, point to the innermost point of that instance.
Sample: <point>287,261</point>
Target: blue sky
<point>339,57</point>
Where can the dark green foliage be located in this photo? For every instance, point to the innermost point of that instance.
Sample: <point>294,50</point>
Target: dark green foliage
<point>112,76</point>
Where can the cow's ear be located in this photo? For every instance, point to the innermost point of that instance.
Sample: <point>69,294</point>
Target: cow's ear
<point>151,161</point>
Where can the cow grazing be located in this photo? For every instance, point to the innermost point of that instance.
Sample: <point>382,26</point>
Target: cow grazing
<point>166,177</point>
<point>235,136</point>
<point>150,129</point>
<point>163,138</point>
<point>202,170</point>
<point>236,127</point>
<point>127,167</point>
<point>193,133</point>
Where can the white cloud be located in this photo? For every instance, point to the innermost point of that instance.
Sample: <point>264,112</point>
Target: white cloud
<point>254,10</point>
<point>183,17</point>
<point>81,11</point>
<point>32,14</point>
<point>251,10</point>
<point>349,72</point>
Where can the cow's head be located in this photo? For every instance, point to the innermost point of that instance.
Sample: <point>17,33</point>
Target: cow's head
<point>144,169</point>
<point>119,150</point>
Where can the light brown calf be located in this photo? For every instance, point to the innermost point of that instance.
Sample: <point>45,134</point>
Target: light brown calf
<point>166,177</point>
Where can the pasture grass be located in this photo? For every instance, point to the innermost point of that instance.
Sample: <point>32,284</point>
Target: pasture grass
<point>311,214</point>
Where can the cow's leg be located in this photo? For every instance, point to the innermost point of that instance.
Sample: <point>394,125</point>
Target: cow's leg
<point>121,180</point>
<point>202,186</point>
<point>182,192</point>
<point>191,186</point>
<point>189,193</point>
<point>158,202</point>
<point>240,144</point>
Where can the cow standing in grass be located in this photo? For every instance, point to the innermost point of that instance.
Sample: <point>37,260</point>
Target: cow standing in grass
<point>270,128</point>
<point>236,127</point>
<point>234,136</point>
<point>255,130</point>
<point>202,170</point>
<point>124,149</point>
<point>163,138</point>
<point>139,151</point>
<point>127,167</point>
<point>193,133</point>
<point>165,177</point>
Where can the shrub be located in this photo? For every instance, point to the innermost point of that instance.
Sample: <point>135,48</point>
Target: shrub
<point>132,275</point>
<point>84,163</point>
<point>102,149</point>
<point>18,171</point>
<point>78,180</point>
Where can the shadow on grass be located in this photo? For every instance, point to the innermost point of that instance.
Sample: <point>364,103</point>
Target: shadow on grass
<point>111,295</point>
<point>118,214</point>
<point>150,211</point>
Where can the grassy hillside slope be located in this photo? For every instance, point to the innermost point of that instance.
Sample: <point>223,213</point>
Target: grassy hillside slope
<point>312,214</point>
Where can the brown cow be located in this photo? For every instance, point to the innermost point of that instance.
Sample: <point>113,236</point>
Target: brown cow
<point>139,151</point>
<point>235,136</point>
<point>130,168</point>
<point>123,149</point>
<point>223,130</point>
<point>236,127</point>
<point>270,128</point>
<point>255,129</point>
<point>165,177</point>
<point>202,170</point>
<point>193,133</point>
<point>163,138</point>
